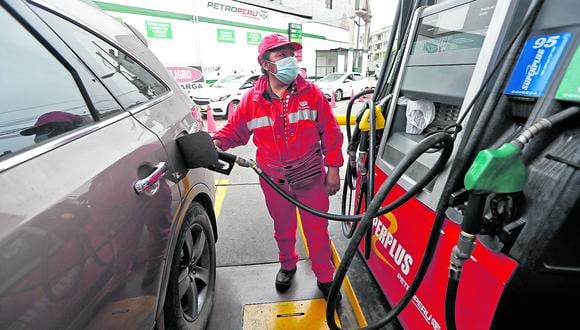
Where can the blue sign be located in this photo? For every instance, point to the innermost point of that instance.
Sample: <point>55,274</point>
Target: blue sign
<point>536,64</point>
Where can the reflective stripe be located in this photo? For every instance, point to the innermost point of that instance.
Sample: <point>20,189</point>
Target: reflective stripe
<point>302,115</point>
<point>259,122</point>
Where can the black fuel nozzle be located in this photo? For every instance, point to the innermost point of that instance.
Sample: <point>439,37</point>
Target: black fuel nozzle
<point>231,159</point>
<point>225,163</point>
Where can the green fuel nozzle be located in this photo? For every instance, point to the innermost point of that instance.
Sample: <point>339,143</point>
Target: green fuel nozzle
<point>500,170</point>
<point>497,170</point>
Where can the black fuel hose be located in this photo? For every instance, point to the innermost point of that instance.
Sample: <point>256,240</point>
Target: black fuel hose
<point>450,296</point>
<point>446,141</point>
<point>440,138</point>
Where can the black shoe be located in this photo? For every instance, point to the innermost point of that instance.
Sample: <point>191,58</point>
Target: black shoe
<point>284,279</point>
<point>325,288</point>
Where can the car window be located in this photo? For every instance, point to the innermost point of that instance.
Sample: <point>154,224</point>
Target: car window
<point>40,98</point>
<point>249,83</point>
<point>231,81</point>
<point>357,77</point>
<point>332,77</point>
<point>127,80</point>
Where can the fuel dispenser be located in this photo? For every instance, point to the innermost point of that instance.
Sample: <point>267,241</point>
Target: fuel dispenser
<point>492,246</point>
<point>454,71</point>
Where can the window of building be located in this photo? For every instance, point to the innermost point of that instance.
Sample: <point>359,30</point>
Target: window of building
<point>129,82</point>
<point>328,4</point>
<point>40,98</point>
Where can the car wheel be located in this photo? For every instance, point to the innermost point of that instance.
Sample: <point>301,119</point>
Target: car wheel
<point>191,287</point>
<point>338,95</point>
<point>232,106</point>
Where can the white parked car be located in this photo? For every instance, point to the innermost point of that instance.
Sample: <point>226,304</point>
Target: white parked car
<point>223,94</point>
<point>342,84</point>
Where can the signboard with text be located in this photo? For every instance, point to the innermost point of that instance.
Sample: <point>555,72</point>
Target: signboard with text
<point>226,36</point>
<point>253,38</point>
<point>158,30</point>
<point>295,35</point>
<point>188,77</point>
<point>536,64</point>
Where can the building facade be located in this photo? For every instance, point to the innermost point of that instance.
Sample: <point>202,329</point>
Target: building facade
<point>377,49</point>
<point>221,37</point>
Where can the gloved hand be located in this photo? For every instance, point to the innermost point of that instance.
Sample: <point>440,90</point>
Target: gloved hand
<point>218,144</point>
<point>332,181</point>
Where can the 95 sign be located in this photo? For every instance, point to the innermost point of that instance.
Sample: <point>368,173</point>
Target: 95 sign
<point>536,64</point>
<point>546,42</point>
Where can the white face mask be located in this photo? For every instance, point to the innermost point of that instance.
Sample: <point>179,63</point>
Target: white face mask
<point>40,137</point>
<point>287,69</point>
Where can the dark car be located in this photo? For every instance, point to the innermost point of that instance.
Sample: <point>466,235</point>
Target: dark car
<point>101,223</point>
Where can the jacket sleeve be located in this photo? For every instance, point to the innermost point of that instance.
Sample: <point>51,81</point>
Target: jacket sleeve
<point>235,132</point>
<point>329,131</point>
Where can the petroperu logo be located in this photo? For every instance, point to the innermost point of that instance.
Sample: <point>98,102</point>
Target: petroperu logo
<point>185,74</point>
<point>389,244</point>
<point>244,12</point>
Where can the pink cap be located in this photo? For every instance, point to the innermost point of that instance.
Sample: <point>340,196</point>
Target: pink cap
<point>272,41</point>
<point>52,117</point>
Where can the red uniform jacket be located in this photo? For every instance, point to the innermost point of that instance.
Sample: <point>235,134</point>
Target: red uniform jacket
<point>284,138</point>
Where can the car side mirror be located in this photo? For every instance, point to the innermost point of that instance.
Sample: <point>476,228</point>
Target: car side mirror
<point>199,151</point>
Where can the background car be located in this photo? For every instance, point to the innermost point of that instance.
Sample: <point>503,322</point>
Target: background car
<point>225,94</point>
<point>101,223</point>
<point>342,84</point>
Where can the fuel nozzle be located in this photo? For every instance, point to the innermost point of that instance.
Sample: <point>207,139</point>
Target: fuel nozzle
<point>499,170</point>
<point>493,171</point>
<point>226,162</point>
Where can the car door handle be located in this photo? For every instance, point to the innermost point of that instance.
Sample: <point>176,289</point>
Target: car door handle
<point>150,184</point>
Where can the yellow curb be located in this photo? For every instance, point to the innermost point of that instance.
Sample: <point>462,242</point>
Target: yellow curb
<point>353,300</point>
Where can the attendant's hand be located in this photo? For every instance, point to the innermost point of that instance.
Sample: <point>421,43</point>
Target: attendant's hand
<point>218,144</point>
<point>332,181</point>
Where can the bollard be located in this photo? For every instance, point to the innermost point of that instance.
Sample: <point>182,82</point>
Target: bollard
<point>211,125</point>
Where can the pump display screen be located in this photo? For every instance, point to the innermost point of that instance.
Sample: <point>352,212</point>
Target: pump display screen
<point>459,28</point>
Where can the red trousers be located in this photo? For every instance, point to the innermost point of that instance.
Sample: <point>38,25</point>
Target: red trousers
<point>315,228</point>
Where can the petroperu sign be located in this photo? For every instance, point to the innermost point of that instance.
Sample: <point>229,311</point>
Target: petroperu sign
<point>238,10</point>
<point>188,77</point>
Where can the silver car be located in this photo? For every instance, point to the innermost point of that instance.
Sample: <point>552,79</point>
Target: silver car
<point>101,223</point>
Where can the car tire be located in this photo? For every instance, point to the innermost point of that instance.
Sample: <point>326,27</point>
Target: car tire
<point>232,105</point>
<point>189,305</point>
<point>338,95</point>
